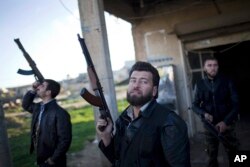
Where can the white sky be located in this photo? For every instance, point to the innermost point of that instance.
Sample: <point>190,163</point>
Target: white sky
<point>48,33</point>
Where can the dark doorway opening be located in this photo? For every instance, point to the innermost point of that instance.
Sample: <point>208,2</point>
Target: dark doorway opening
<point>234,61</point>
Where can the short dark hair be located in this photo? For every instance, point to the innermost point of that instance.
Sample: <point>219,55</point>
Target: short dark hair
<point>53,86</point>
<point>209,58</point>
<point>145,66</point>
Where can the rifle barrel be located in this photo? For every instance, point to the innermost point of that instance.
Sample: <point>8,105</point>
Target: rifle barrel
<point>36,72</point>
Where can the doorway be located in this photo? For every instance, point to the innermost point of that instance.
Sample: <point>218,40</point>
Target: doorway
<point>234,61</point>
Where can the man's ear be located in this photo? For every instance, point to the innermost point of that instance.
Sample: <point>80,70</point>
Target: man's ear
<point>204,69</point>
<point>155,90</point>
<point>48,93</point>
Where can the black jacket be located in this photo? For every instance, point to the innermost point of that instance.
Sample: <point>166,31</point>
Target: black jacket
<point>157,138</point>
<point>218,97</point>
<point>55,133</point>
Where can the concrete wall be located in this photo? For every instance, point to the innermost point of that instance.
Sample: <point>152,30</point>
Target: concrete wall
<point>159,34</point>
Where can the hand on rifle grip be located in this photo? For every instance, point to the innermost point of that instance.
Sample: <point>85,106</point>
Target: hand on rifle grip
<point>101,128</point>
<point>208,117</point>
<point>104,125</point>
<point>104,129</point>
<point>35,85</point>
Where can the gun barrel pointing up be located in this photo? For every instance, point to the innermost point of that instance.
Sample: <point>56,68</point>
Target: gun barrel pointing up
<point>99,99</point>
<point>35,71</point>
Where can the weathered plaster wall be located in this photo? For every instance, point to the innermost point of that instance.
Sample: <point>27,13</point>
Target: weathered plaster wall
<point>155,37</point>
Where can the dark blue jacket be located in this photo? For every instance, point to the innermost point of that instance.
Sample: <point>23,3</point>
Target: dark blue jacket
<point>55,133</point>
<point>157,138</point>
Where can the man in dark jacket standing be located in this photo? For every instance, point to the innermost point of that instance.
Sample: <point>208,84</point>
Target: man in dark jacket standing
<point>216,100</point>
<point>51,131</point>
<point>147,134</point>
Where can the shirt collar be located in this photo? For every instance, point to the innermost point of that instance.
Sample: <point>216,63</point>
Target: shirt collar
<point>130,112</point>
<point>143,108</point>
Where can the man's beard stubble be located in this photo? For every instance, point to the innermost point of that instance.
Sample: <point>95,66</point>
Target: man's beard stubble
<point>209,75</point>
<point>139,101</point>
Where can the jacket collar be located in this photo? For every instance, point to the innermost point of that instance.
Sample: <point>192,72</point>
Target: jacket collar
<point>146,112</point>
<point>48,104</point>
<point>216,82</point>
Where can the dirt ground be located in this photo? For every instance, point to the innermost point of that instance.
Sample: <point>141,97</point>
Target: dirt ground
<point>89,157</point>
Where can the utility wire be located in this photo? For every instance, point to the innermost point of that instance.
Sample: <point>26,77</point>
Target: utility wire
<point>236,44</point>
<point>223,50</point>
<point>68,10</point>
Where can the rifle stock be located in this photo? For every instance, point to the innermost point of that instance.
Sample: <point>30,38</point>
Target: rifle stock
<point>98,99</point>
<point>38,76</point>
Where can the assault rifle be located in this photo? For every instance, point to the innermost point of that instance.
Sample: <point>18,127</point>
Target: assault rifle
<point>98,99</point>
<point>38,76</point>
<point>211,128</point>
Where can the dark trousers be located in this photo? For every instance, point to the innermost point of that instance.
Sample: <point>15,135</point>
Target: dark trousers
<point>212,145</point>
<point>61,163</point>
<point>56,165</point>
<point>45,165</point>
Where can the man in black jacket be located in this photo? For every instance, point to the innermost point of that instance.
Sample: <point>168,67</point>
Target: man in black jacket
<point>51,131</point>
<point>216,100</point>
<point>147,134</point>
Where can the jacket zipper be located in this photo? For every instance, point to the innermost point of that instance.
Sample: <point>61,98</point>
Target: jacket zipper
<point>213,95</point>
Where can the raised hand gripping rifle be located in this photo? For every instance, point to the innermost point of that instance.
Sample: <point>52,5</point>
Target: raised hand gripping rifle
<point>98,99</point>
<point>38,76</point>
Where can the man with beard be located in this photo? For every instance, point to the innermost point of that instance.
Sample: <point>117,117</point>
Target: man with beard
<point>147,134</point>
<point>216,100</point>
